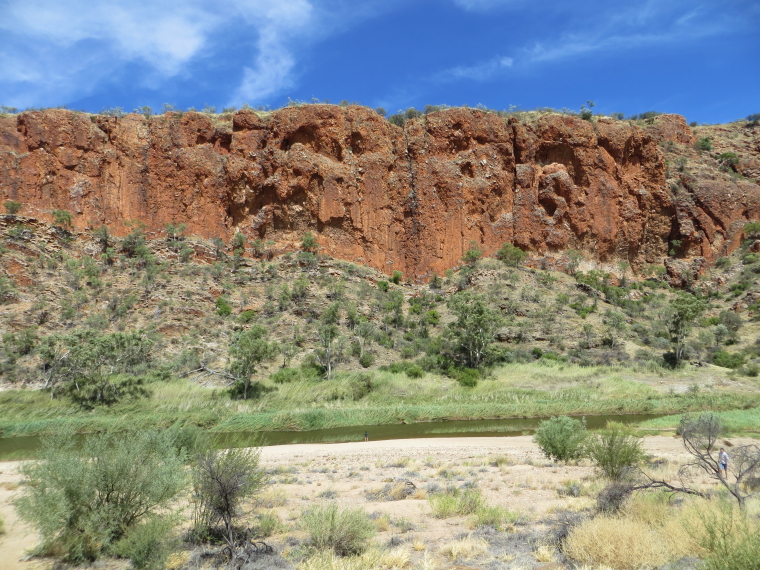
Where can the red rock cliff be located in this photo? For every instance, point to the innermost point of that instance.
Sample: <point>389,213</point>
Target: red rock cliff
<point>410,199</point>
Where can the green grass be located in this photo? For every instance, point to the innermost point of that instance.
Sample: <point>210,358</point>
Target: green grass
<point>512,391</point>
<point>746,421</point>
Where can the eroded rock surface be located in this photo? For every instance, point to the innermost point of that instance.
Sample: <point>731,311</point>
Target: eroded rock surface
<point>410,199</point>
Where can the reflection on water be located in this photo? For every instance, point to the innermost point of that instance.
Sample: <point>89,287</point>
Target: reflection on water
<point>25,447</point>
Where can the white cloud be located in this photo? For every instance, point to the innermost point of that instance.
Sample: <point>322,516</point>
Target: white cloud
<point>162,33</point>
<point>58,49</point>
<point>274,63</point>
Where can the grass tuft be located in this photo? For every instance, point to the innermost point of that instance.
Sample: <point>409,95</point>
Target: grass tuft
<point>465,549</point>
<point>344,531</point>
<point>373,559</point>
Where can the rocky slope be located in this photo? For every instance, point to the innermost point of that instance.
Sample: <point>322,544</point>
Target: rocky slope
<point>409,199</point>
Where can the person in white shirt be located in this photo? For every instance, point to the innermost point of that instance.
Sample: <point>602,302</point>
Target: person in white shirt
<point>723,463</point>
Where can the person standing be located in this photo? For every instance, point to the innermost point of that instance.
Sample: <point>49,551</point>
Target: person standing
<point>723,462</point>
<point>366,436</point>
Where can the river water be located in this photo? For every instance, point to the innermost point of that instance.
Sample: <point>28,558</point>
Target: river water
<point>25,446</point>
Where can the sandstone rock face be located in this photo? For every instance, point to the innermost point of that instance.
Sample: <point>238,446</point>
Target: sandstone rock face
<point>409,199</point>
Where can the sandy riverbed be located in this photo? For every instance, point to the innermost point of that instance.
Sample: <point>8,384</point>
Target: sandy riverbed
<point>305,473</point>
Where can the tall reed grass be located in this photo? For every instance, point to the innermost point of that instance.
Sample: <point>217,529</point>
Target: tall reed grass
<point>511,391</point>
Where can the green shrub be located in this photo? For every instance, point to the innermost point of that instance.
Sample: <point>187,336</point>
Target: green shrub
<point>396,367</point>
<point>309,243</point>
<point>99,369</point>
<point>285,375</point>
<point>723,263</point>
<point>468,377</point>
<point>562,438</point>
<point>728,160</point>
<point>367,360</point>
<point>396,278</point>
<point>223,308</point>
<point>13,207</point>
<point>731,539</point>
<point>752,229</point>
<point>511,255</point>
<point>397,119</point>
<point>705,143</point>
<point>727,359</point>
<point>146,544</point>
<point>133,244</point>
<point>247,316</point>
<point>456,502</point>
<point>345,531</point>
<point>752,370</point>
<point>83,501</point>
<point>269,523</point>
<point>496,517</point>
<point>615,450</point>
<point>383,286</point>
<point>415,371</point>
<point>62,218</point>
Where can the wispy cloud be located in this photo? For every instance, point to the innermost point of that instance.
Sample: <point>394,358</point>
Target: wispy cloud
<point>477,72</point>
<point>483,5</point>
<point>647,23</point>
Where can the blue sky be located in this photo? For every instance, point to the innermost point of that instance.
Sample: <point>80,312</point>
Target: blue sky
<point>697,58</point>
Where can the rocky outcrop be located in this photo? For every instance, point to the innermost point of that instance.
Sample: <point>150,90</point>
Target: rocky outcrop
<point>409,199</point>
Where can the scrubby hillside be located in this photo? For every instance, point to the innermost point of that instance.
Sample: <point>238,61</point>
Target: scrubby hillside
<point>101,320</point>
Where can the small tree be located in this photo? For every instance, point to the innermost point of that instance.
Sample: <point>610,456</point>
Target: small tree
<point>222,480</point>
<point>574,259</point>
<point>103,237</point>
<point>684,311</point>
<point>13,207</point>
<point>238,244</point>
<point>81,501</point>
<point>258,247</point>
<point>309,243</point>
<point>364,331</point>
<point>93,368</point>
<point>511,255</point>
<point>329,352</point>
<point>248,350</point>
<point>615,451</point>
<point>175,232</point>
<point>472,255</point>
<point>728,160</point>
<point>133,244</point>
<point>562,438</point>
<point>473,331</point>
<point>62,219</point>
